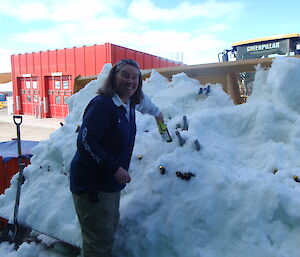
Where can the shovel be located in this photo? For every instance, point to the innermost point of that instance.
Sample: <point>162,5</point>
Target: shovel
<point>15,233</point>
<point>19,231</point>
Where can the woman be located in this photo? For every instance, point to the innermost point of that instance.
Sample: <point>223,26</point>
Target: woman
<point>99,169</point>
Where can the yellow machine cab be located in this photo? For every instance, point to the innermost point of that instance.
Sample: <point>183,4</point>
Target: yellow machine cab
<point>288,44</point>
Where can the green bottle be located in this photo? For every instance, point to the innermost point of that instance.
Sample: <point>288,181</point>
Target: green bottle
<point>163,131</point>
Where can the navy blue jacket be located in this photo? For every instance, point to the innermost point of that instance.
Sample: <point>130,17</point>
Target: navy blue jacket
<point>105,142</point>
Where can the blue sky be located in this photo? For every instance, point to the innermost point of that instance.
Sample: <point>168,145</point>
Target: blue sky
<point>197,29</point>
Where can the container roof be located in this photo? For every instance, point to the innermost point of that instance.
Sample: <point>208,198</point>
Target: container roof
<point>295,35</point>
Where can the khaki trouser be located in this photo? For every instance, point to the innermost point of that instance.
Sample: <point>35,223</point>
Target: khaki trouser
<point>98,222</point>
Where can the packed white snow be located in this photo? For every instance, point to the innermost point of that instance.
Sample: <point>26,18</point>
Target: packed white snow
<point>243,200</point>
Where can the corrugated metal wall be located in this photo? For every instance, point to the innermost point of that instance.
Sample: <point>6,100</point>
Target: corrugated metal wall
<point>43,81</point>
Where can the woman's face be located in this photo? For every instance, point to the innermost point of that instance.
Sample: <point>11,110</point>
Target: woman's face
<point>127,81</point>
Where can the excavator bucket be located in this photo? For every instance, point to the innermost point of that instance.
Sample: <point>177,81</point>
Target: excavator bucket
<point>80,82</point>
<point>224,73</point>
<point>5,77</point>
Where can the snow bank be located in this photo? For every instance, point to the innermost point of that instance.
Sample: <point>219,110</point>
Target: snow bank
<point>234,206</point>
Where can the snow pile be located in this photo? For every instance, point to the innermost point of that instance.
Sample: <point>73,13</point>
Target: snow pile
<point>234,206</point>
<point>30,250</point>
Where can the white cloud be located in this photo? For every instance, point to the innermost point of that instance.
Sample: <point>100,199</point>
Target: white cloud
<point>57,10</point>
<point>196,47</point>
<point>85,24</point>
<point>43,38</point>
<point>106,23</point>
<point>217,28</point>
<point>5,63</point>
<point>145,10</point>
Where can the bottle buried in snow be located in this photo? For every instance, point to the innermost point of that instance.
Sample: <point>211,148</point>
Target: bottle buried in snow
<point>203,92</point>
<point>200,91</point>
<point>180,138</point>
<point>162,169</point>
<point>185,175</point>
<point>185,123</point>
<point>197,144</point>
<point>163,131</point>
<point>207,89</point>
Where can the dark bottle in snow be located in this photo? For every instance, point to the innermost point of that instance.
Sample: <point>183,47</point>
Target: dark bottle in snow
<point>185,123</point>
<point>180,138</point>
<point>163,131</point>
<point>208,90</point>
<point>200,91</point>
<point>197,144</point>
<point>162,169</point>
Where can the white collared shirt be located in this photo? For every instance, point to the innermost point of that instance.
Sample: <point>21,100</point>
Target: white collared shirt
<point>146,106</point>
<point>118,102</point>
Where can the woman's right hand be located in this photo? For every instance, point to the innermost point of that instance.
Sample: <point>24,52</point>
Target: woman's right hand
<point>122,176</point>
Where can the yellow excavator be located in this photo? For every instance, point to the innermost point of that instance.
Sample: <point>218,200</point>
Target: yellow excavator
<point>265,47</point>
<point>260,48</point>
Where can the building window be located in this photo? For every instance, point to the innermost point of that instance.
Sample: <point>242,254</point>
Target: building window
<point>57,84</point>
<point>35,98</point>
<point>66,84</point>
<point>66,98</point>
<point>34,84</point>
<point>28,98</point>
<point>57,99</point>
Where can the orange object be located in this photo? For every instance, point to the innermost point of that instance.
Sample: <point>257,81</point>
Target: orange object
<point>3,222</point>
<point>9,160</point>
<point>7,171</point>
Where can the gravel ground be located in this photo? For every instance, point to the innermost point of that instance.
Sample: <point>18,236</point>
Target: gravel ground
<point>32,128</point>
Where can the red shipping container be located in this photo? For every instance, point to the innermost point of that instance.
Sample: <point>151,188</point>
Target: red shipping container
<point>43,81</point>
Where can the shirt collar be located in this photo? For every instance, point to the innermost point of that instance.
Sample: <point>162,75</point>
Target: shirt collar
<point>118,102</point>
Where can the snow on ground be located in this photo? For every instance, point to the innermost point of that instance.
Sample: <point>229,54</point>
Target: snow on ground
<point>234,206</point>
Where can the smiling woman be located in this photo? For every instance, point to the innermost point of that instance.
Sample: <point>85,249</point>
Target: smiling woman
<point>127,81</point>
<point>99,169</point>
